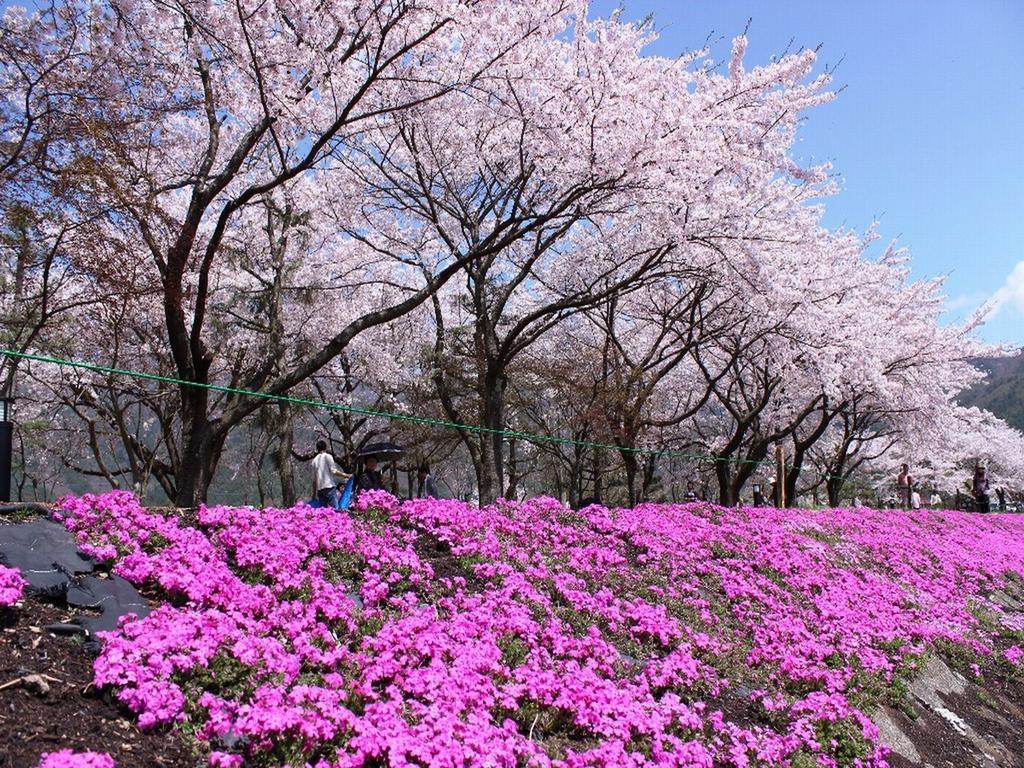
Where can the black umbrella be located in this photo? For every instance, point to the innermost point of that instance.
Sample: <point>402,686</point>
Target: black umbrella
<point>383,451</point>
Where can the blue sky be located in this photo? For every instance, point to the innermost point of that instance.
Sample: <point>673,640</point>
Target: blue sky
<point>926,136</point>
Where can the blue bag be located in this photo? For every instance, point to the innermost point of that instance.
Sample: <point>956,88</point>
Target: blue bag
<point>346,495</point>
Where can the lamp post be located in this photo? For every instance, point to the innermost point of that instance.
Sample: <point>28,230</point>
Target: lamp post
<point>6,446</point>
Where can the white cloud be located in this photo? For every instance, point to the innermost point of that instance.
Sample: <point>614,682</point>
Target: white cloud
<point>969,301</point>
<point>1010,293</point>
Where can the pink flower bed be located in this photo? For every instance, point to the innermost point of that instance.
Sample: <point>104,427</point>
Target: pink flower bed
<point>662,635</point>
<point>66,758</point>
<point>11,586</point>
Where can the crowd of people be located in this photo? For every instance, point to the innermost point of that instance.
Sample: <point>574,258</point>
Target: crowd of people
<point>334,487</point>
<point>977,496</point>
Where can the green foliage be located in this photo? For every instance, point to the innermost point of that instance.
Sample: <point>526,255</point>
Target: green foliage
<point>224,676</point>
<point>154,543</point>
<point>843,740</point>
<point>513,651</point>
<point>343,567</point>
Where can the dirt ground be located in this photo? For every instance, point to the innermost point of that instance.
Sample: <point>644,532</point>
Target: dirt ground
<point>71,714</point>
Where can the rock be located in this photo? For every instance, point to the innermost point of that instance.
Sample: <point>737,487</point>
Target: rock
<point>936,678</point>
<point>938,688</point>
<point>628,660</point>
<point>893,737</point>
<point>231,740</point>
<point>36,684</point>
<point>1003,600</point>
<point>65,629</point>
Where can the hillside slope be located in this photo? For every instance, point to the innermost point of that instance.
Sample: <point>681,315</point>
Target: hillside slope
<point>527,634</point>
<point>1003,391</point>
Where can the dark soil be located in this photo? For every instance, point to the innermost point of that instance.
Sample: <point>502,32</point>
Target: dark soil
<point>936,742</point>
<point>72,714</point>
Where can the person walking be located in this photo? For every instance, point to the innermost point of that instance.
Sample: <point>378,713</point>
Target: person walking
<point>1001,496</point>
<point>904,486</point>
<point>979,489</point>
<point>425,488</point>
<point>935,501</point>
<point>325,475</point>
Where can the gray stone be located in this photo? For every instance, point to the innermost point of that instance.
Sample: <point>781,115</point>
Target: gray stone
<point>893,737</point>
<point>936,678</point>
<point>65,629</point>
<point>1004,600</point>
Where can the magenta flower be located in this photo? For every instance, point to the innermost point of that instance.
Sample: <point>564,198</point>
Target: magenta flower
<point>315,632</point>
<point>67,758</point>
<point>11,586</point>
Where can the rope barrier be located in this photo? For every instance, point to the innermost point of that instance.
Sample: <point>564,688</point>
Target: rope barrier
<point>392,415</point>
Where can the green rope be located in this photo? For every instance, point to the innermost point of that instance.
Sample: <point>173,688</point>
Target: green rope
<point>442,423</point>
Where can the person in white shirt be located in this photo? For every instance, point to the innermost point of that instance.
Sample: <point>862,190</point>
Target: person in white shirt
<point>935,501</point>
<point>915,500</point>
<point>325,475</point>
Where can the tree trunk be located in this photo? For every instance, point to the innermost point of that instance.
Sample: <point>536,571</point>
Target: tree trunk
<point>835,488</point>
<point>199,461</point>
<point>723,473</point>
<point>650,465</point>
<point>513,471</point>
<point>485,483</point>
<point>630,465</point>
<point>599,475</point>
<point>204,444</point>
<point>792,477</point>
<point>283,457</point>
<point>490,473</point>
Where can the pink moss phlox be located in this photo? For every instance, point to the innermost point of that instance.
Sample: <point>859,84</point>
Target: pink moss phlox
<point>620,634</point>
<point>11,586</point>
<point>67,758</point>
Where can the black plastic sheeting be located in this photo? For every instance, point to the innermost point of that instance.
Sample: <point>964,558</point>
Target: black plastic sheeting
<point>45,553</point>
<point>49,560</point>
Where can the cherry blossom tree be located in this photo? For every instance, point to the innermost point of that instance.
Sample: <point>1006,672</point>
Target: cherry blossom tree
<point>502,214</point>
<point>198,113</point>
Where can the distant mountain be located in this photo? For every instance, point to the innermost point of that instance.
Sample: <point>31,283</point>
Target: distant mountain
<point>1002,392</point>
